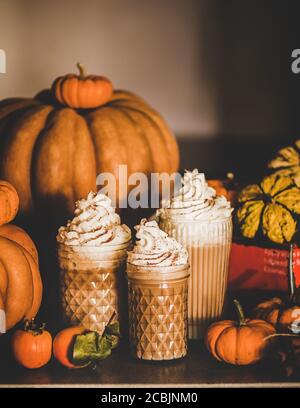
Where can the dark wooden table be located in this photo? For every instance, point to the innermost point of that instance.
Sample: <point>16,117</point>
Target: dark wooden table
<point>197,369</point>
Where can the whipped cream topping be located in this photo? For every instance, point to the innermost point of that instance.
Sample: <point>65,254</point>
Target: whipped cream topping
<point>155,248</point>
<point>196,200</point>
<point>95,224</point>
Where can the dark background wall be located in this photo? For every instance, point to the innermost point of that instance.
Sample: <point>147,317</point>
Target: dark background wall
<point>218,70</point>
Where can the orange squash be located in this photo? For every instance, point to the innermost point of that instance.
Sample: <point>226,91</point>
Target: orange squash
<point>20,281</point>
<point>81,91</point>
<point>238,343</point>
<point>62,345</point>
<point>228,188</point>
<point>278,312</point>
<point>18,235</point>
<point>64,149</point>
<point>9,202</point>
<point>32,347</point>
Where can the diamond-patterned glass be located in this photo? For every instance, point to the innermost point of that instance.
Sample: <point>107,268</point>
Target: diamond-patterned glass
<point>89,298</point>
<point>158,320</point>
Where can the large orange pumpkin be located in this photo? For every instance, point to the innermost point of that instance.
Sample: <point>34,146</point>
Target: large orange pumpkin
<point>18,235</point>
<point>52,154</point>
<point>9,202</point>
<point>20,281</point>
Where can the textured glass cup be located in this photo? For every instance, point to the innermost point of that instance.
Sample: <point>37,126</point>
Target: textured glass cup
<point>208,244</point>
<point>157,299</point>
<point>93,285</point>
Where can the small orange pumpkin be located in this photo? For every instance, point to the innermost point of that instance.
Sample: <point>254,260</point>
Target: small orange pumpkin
<point>277,312</point>
<point>81,91</point>
<point>62,345</point>
<point>9,202</point>
<point>238,343</point>
<point>32,347</point>
<point>227,188</point>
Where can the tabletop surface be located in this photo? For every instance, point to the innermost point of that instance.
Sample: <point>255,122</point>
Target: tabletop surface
<point>198,368</point>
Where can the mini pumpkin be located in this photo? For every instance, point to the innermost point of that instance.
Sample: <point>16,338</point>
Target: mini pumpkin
<point>20,280</point>
<point>227,187</point>
<point>9,202</point>
<point>63,344</point>
<point>279,313</point>
<point>32,346</point>
<point>238,343</point>
<point>287,162</point>
<point>81,91</point>
<point>271,207</point>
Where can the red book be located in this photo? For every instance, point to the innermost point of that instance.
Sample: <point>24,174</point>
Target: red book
<point>255,267</point>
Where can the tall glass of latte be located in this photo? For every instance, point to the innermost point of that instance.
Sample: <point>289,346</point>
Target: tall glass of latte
<point>201,221</point>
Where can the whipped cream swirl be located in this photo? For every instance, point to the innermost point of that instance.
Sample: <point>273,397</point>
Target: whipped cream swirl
<point>196,200</point>
<point>155,248</point>
<point>95,224</point>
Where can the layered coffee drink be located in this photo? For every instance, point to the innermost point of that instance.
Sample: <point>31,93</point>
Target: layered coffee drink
<point>92,252</point>
<point>201,221</point>
<point>157,270</point>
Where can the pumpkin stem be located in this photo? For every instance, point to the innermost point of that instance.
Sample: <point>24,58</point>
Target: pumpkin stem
<point>241,316</point>
<point>32,327</point>
<point>81,69</point>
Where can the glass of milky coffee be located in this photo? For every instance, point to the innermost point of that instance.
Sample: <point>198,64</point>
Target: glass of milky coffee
<point>201,221</point>
<point>158,271</point>
<point>92,252</point>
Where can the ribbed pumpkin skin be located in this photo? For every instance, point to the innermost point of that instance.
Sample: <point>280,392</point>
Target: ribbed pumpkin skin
<point>238,345</point>
<point>32,350</point>
<point>53,154</point>
<point>85,93</point>
<point>9,202</point>
<point>21,286</point>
